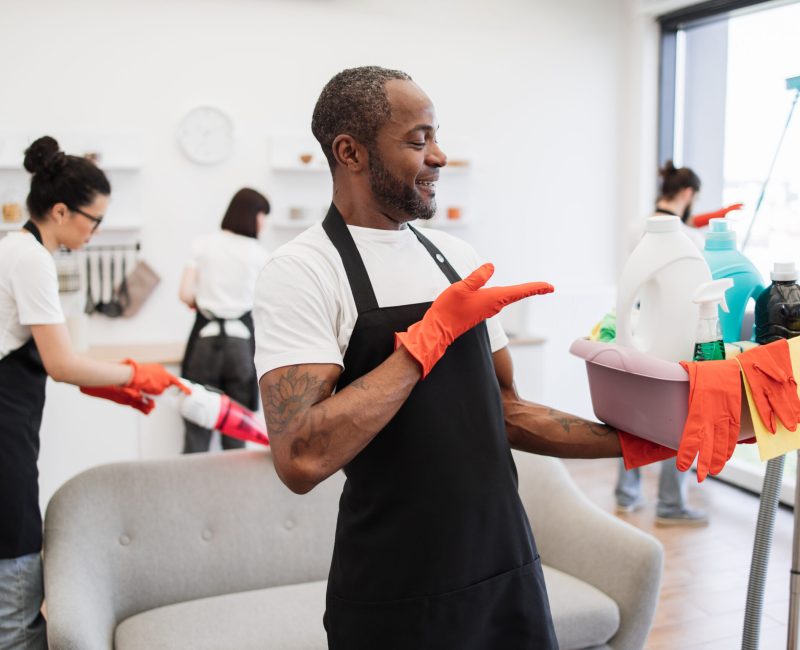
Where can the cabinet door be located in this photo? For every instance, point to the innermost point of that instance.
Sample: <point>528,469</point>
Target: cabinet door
<point>79,432</point>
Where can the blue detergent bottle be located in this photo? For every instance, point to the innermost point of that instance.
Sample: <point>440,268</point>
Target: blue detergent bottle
<point>725,261</point>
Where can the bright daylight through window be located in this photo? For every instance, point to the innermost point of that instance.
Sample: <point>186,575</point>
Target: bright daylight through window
<point>731,105</point>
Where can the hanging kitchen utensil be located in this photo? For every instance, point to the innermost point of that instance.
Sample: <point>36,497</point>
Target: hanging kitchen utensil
<point>101,267</point>
<point>89,307</point>
<point>113,309</point>
<point>142,281</point>
<point>123,296</point>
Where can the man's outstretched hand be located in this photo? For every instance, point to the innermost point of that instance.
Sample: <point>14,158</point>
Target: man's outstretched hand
<point>458,309</point>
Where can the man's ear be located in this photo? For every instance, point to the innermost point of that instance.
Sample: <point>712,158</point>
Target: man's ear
<point>349,153</point>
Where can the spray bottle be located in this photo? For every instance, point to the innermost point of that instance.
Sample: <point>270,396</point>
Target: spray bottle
<point>708,342</point>
<point>211,409</point>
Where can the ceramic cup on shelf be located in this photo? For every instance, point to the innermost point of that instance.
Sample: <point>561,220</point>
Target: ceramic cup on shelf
<point>453,212</point>
<point>12,212</point>
<point>298,212</point>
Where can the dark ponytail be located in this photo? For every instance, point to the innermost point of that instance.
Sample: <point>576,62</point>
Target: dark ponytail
<point>674,179</point>
<point>59,178</point>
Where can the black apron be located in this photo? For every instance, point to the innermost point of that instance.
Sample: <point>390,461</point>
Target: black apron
<point>433,549</point>
<point>200,322</point>
<point>22,390</point>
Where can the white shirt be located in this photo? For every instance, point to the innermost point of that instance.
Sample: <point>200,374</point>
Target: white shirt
<point>28,290</point>
<point>305,311</point>
<point>227,266</point>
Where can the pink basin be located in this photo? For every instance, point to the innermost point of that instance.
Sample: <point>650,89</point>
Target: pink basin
<point>640,394</point>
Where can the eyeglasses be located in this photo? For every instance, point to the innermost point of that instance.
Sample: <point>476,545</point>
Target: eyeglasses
<point>97,220</point>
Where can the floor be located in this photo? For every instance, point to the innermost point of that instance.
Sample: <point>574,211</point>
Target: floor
<point>704,587</point>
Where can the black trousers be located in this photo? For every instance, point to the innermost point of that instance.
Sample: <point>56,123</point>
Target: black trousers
<point>225,363</point>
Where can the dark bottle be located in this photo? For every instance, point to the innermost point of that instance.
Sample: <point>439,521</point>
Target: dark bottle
<point>778,306</point>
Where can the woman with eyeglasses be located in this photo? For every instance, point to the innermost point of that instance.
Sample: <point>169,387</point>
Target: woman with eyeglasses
<point>67,199</point>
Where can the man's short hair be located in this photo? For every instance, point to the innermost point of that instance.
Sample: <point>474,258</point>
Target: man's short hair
<point>353,102</point>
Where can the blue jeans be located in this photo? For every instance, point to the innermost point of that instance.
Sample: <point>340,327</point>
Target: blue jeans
<point>22,625</point>
<point>671,487</point>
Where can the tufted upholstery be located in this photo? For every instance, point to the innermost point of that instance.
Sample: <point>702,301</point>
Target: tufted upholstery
<point>210,551</point>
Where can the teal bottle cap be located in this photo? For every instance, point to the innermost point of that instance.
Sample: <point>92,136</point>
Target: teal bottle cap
<point>720,235</point>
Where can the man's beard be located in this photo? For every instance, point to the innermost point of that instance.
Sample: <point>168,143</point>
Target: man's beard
<point>393,193</point>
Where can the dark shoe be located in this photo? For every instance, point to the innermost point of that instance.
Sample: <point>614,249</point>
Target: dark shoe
<point>683,517</point>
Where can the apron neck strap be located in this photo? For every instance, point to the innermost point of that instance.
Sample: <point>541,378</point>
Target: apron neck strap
<point>665,211</point>
<point>357,276</point>
<point>340,236</point>
<point>436,254</point>
<point>34,230</point>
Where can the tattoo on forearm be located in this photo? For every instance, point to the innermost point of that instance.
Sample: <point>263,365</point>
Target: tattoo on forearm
<point>568,421</point>
<point>318,439</point>
<point>290,396</point>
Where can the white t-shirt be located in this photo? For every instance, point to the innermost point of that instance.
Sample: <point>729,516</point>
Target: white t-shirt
<point>28,290</point>
<point>305,311</point>
<point>227,267</point>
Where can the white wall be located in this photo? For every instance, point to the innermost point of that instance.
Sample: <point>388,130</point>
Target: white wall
<point>549,92</point>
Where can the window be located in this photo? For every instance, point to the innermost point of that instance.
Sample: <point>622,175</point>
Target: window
<point>723,112</point>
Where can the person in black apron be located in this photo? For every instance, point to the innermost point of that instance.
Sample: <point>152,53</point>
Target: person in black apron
<point>221,344</point>
<point>67,198</point>
<point>679,188</point>
<point>433,550</point>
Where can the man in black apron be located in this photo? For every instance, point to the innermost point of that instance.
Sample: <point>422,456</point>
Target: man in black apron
<point>433,550</point>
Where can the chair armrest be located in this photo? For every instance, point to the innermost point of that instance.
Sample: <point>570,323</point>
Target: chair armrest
<point>578,538</point>
<point>84,618</point>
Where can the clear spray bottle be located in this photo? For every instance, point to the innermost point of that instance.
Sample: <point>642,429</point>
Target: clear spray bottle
<point>708,341</point>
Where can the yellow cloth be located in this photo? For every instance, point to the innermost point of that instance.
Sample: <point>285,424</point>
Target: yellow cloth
<point>782,441</point>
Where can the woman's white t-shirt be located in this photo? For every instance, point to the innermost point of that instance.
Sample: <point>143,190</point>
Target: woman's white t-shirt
<point>227,266</point>
<point>304,308</point>
<point>28,290</point>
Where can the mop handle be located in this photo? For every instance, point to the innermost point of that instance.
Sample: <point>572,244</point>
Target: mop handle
<point>769,173</point>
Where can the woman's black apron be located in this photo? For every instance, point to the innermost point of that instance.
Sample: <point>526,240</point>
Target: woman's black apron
<point>200,321</point>
<point>433,548</point>
<point>22,390</point>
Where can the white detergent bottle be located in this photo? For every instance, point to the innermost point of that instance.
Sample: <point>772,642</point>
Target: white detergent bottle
<point>661,276</point>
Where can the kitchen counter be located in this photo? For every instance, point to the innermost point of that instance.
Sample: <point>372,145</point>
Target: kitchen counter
<point>163,353</point>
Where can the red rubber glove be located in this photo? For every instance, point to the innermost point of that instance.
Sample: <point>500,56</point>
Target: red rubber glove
<point>638,451</point>
<point>768,369</point>
<point>152,378</point>
<point>701,220</point>
<point>122,395</point>
<point>713,423</point>
<point>457,309</point>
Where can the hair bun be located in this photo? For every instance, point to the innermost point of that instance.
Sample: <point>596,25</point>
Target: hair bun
<point>667,169</point>
<point>44,155</point>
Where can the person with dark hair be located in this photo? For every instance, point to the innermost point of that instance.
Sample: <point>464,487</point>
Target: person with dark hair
<point>219,282</point>
<point>375,357</point>
<point>679,188</point>
<point>66,203</point>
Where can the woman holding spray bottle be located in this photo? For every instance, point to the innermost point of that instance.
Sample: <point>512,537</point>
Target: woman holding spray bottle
<point>67,200</point>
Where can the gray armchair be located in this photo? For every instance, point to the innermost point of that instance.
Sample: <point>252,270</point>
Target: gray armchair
<point>212,551</point>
